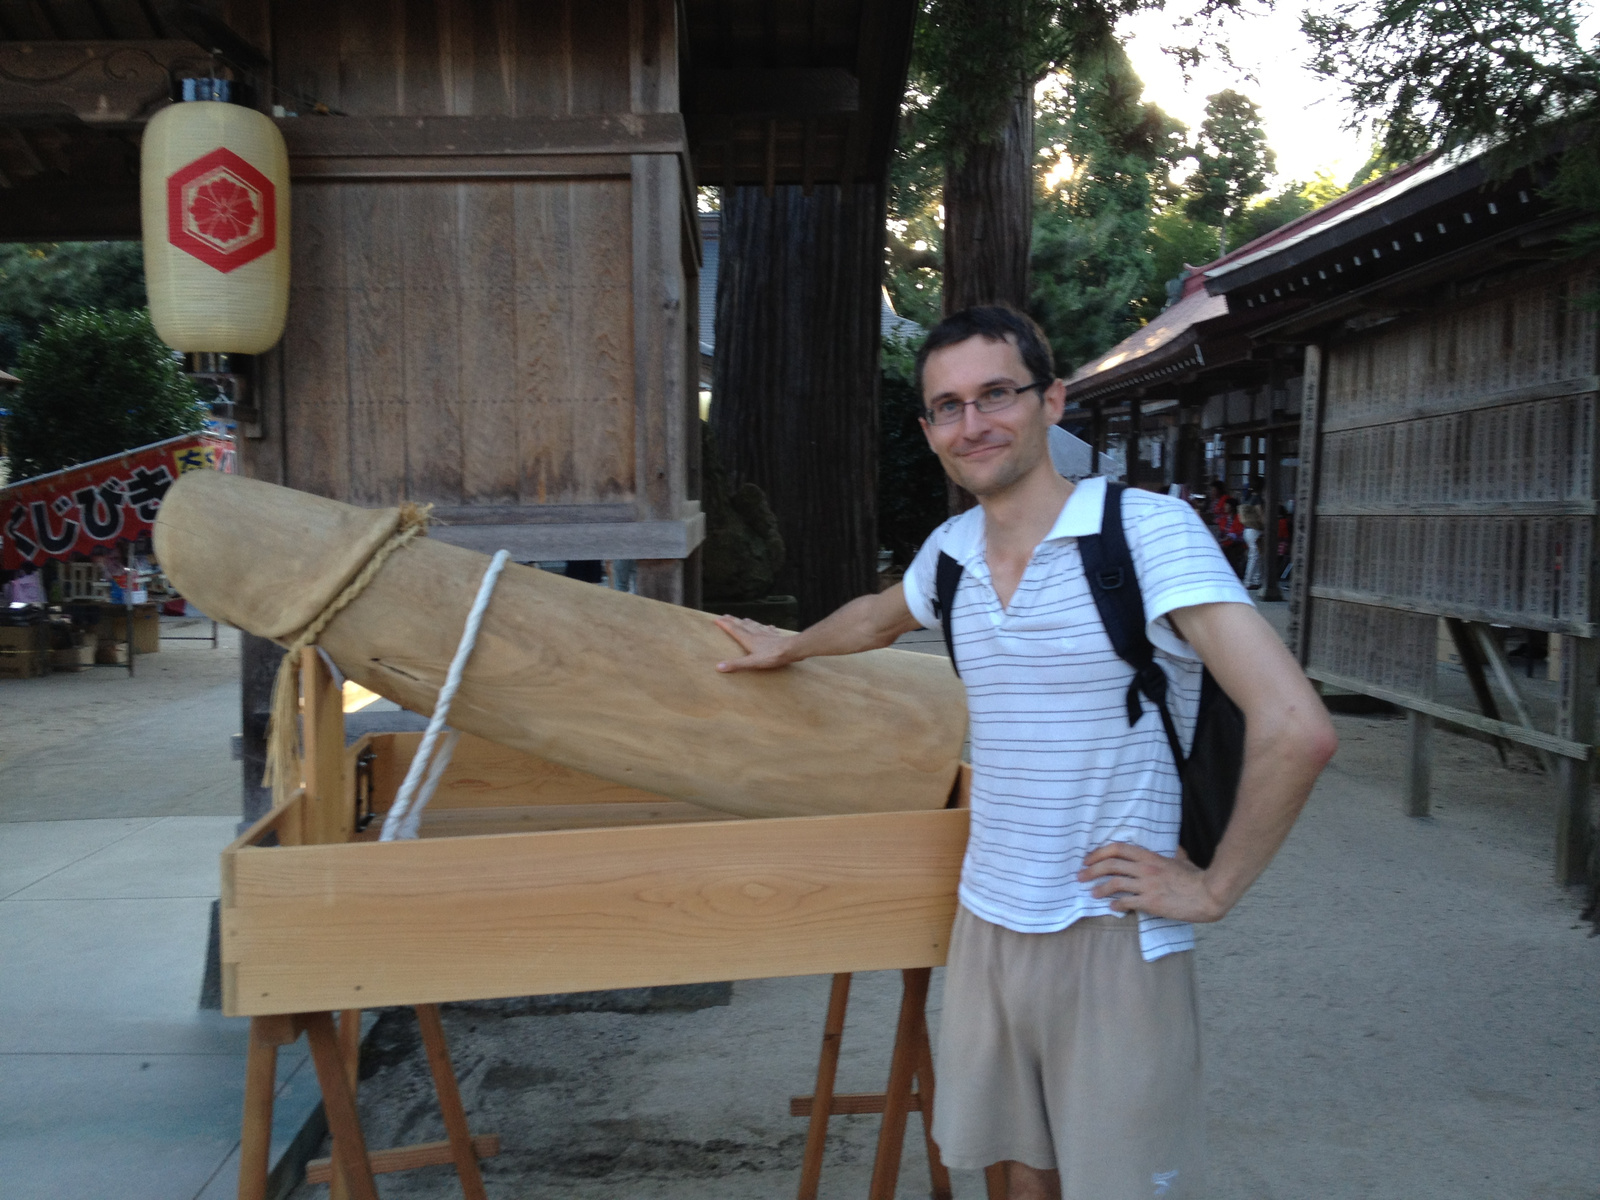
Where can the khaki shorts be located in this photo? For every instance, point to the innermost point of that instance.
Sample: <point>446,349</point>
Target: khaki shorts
<point>1067,1050</point>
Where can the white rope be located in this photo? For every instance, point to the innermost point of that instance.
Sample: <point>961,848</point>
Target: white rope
<point>405,814</point>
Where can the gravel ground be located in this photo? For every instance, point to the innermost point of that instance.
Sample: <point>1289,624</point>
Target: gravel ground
<point>1400,1010</point>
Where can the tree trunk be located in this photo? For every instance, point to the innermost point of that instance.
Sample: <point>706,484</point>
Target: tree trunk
<point>795,407</point>
<point>988,227</point>
<point>988,216</point>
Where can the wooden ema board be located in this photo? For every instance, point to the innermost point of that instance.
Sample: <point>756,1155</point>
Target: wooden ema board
<point>328,921</point>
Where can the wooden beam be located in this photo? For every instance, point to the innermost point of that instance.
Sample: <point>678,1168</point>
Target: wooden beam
<point>543,818</point>
<point>344,1122</point>
<point>330,819</point>
<point>462,1152</point>
<point>484,776</point>
<point>1445,406</point>
<point>460,167</point>
<point>260,1083</point>
<point>349,1034</point>
<point>1580,663</point>
<point>1494,655</point>
<point>587,909</point>
<point>1468,612</point>
<point>849,1104</point>
<point>105,83</point>
<point>534,542</point>
<point>898,1094</point>
<point>482,137</point>
<point>407,1158</point>
<point>1472,663</point>
<point>784,92</point>
<point>1467,508</point>
<point>1302,539</point>
<point>1419,763</point>
<point>1565,747</point>
<point>827,1071</point>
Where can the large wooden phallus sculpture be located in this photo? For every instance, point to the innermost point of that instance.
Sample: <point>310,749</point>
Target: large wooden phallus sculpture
<point>619,686</point>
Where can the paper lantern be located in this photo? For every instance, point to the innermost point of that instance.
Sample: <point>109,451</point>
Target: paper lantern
<point>214,199</point>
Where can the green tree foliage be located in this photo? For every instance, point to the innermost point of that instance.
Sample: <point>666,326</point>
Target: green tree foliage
<point>912,500</point>
<point>1232,160</point>
<point>1094,278</point>
<point>1293,200</point>
<point>1176,243</point>
<point>96,383</point>
<point>973,54</point>
<point>1515,74</point>
<point>915,231</point>
<point>37,279</point>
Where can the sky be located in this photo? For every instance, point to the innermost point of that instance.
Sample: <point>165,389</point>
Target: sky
<point>1302,114</point>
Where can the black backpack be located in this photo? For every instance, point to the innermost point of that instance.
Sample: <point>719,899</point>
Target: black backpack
<point>1210,771</point>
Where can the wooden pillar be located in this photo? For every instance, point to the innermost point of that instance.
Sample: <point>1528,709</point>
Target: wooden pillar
<point>1580,665</point>
<point>661,579</point>
<point>330,819</point>
<point>796,411</point>
<point>349,1038</point>
<point>822,1096</point>
<point>1097,436</point>
<point>258,666</point>
<point>1303,542</point>
<point>1419,763</point>
<point>1135,431</point>
<point>1270,591</point>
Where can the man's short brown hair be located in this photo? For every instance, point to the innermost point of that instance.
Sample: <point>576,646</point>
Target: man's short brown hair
<point>994,323</point>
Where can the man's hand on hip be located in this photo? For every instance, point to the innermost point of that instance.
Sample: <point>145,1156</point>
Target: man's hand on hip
<point>1140,880</point>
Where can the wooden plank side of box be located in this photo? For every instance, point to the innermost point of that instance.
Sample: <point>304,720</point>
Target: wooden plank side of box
<point>482,774</point>
<point>314,928</point>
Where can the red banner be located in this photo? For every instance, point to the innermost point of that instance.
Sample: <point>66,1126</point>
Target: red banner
<point>85,510</point>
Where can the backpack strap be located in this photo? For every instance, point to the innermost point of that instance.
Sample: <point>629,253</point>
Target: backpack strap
<point>946,580</point>
<point>1115,588</point>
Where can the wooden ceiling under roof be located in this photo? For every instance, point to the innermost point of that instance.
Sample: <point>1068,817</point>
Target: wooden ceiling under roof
<point>773,91</point>
<point>794,91</point>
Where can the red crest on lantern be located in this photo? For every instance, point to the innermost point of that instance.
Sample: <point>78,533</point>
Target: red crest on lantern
<point>222,210</point>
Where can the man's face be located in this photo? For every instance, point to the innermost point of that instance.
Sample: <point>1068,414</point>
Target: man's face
<point>986,453</point>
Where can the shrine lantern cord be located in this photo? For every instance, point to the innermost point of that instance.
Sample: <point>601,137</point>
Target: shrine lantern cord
<point>214,201</point>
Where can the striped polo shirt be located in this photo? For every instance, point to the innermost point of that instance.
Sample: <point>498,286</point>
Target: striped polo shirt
<point>1056,770</point>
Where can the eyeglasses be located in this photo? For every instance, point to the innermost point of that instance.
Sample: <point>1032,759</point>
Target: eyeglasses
<point>993,399</point>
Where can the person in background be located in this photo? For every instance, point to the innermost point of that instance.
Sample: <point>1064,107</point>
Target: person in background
<point>1252,520</point>
<point>1216,502</point>
<point>1230,535</point>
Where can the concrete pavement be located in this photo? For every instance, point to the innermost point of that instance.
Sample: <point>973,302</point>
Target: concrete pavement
<point>116,795</point>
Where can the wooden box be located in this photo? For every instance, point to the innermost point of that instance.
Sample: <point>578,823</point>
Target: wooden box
<point>77,657</point>
<point>113,627</point>
<point>24,664</point>
<point>530,878</point>
<point>24,638</point>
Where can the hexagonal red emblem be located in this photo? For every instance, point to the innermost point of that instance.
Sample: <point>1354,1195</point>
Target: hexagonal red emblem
<point>222,210</point>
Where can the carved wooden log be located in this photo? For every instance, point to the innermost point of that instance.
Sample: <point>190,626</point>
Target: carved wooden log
<point>616,685</point>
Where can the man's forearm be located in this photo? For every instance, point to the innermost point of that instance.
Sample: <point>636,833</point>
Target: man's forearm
<point>1284,753</point>
<point>866,623</point>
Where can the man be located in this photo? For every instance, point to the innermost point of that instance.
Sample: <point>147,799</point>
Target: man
<point>1069,1047</point>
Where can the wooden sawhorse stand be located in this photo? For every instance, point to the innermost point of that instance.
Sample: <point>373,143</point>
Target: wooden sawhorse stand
<point>910,1089</point>
<point>334,1052</point>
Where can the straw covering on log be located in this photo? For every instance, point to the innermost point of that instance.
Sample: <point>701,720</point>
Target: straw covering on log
<point>619,686</point>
